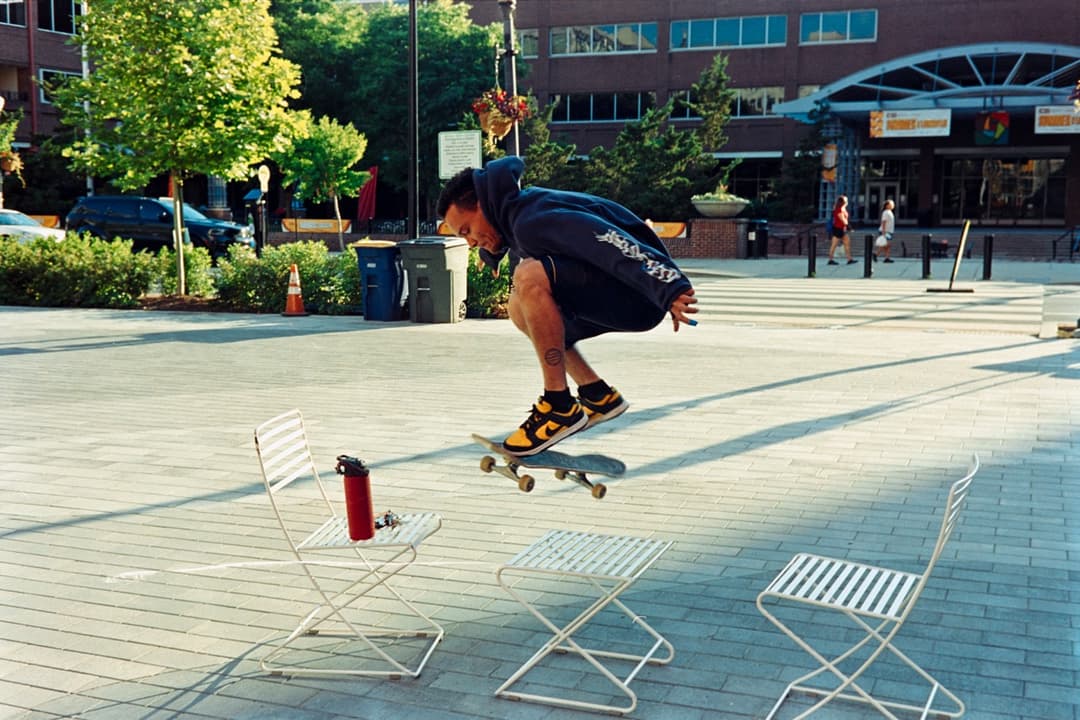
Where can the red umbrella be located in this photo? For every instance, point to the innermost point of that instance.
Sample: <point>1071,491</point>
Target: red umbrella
<point>365,207</point>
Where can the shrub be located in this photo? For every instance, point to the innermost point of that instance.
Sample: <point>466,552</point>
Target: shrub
<point>487,295</point>
<point>80,271</point>
<point>197,271</point>
<point>330,284</point>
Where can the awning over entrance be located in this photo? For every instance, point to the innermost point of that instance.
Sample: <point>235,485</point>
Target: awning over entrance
<point>966,79</point>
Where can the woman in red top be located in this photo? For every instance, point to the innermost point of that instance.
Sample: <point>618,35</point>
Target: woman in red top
<point>840,230</point>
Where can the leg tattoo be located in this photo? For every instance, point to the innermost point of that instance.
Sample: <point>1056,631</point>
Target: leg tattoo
<point>553,356</point>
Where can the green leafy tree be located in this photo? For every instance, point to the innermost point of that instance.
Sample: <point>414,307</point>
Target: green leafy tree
<point>456,64</point>
<point>321,37</point>
<point>547,161</point>
<point>652,168</point>
<point>50,184</point>
<point>796,191</point>
<point>711,99</point>
<point>322,164</point>
<point>11,160</point>
<point>183,87</point>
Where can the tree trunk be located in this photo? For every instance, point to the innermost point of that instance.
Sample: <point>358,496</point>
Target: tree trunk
<point>178,231</point>
<point>337,217</point>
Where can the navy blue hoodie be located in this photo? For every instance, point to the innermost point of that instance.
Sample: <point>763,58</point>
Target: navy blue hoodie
<point>537,221</point>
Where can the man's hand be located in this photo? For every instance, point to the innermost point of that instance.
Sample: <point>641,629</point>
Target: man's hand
<point>682,307</point>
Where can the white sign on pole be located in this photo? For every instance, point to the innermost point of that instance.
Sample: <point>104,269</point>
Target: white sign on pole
<point>458,149</point>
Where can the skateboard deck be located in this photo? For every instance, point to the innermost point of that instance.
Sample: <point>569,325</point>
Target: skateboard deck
<point>575,468</point>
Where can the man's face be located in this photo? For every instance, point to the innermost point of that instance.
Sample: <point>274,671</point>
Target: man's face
<point>474,227</point>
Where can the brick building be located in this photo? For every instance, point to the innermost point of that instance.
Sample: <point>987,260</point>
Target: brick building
<point>34,46</point>
<point>956,110</point>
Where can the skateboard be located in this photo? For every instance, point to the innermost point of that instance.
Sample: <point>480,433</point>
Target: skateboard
<point>574,468</point>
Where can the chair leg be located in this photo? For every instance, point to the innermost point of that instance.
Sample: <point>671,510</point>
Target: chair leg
<point>333,607</point>
<point>848,681</point>
<point>562,640</point>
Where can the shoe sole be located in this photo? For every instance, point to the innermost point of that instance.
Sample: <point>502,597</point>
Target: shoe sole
<point>596,419</point>
<point>567,432</point>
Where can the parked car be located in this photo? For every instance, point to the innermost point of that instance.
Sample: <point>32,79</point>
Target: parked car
<point>148,222</point>
<point>25,228</point>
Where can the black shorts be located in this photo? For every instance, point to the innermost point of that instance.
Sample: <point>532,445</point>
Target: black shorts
<point>593,302</point>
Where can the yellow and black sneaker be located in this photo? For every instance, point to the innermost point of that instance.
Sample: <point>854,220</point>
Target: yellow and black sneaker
<point>610,406</point>
<point>544,427</point>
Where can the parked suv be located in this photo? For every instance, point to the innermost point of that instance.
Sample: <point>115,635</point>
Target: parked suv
<point>149,223</point>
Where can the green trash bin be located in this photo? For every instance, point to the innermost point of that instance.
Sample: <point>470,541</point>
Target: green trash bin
<point>437,270</point>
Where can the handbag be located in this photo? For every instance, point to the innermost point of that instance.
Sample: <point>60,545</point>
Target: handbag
<point>881,241</point>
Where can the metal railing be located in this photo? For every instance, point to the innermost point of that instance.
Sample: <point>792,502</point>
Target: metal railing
<point>1072,236</point>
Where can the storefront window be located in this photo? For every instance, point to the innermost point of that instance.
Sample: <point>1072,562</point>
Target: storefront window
<point>1003,190</point>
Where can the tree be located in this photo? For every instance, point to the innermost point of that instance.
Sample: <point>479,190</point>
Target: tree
<point>179,87</point>
<point>652,168</point>
<point>456,64</point>
<point>10,160</point>
<point>796,191</point>
<point>321,164</point>
<point>711,100</point>
<point>321,36</point>
<point>547,161</point>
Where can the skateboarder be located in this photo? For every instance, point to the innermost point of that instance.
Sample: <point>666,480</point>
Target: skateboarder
<point>586,266</point>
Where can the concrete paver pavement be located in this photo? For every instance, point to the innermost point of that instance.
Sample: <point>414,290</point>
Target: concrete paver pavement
<point>127,447</point>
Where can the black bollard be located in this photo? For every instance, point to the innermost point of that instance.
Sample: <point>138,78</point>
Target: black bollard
<point>811,256</point>
<point>988,255</point>
<point>868,256</point>
<point>926,256</point>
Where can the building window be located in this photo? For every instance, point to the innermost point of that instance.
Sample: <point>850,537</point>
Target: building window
<point>603,39</point>
<point>57,15</point>
<point>729,32</point>
<point>13,13</point>
<point>748,103</point>
<point>756,102</point>
<point>1003,190</point>
<point>529,43</point>
<point>838,27</point>
<point>51,79</point>
<point>601,107</point>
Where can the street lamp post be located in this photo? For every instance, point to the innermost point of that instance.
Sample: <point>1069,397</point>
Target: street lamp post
<point>414,92</point>
<point>510,43</point>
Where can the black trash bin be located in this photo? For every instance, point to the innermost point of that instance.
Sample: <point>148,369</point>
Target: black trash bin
<point>757,239</point>
<point>381,278</point>
<point>437,271</point>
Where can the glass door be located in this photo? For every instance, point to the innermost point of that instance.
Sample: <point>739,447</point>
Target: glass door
<point>876,195</point>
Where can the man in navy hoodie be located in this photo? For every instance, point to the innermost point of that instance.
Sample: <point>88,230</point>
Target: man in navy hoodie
<point>585,266</point>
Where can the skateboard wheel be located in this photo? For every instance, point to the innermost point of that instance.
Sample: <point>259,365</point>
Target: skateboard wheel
<point>487,463</point>
<point>599,490</point>
<point>526,483</point>
<point>560,474</point>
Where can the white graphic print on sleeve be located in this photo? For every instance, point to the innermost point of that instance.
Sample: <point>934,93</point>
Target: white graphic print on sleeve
<point>653,267</point>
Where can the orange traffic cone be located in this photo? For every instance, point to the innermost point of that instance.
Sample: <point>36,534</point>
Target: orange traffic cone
<point>294,303</point>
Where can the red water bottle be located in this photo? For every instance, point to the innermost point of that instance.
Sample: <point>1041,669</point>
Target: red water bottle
<point>358,507</point>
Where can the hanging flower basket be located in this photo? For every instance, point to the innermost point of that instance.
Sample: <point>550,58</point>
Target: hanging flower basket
<point>495,123</point>
<point>498,110</point>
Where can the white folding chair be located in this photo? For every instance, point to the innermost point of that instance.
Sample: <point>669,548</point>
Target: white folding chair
<point>877,600</point>
<point>336,627</point>
<point>605,565</point>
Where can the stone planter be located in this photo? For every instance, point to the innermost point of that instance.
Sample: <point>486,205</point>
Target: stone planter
<point>720,208</point>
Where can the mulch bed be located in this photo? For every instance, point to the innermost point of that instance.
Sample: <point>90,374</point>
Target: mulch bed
<point>184,303</point>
